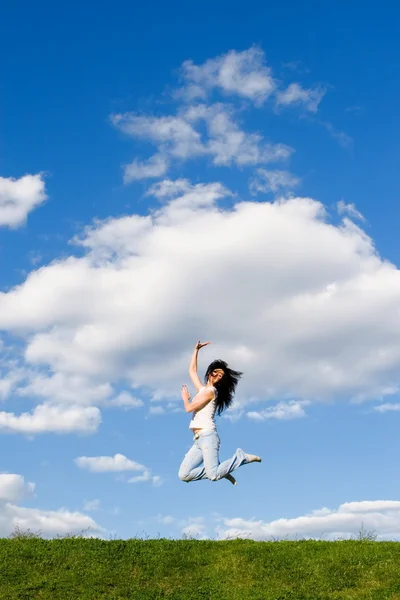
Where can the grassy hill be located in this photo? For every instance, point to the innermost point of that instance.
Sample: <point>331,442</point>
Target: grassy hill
<point>83,569</point>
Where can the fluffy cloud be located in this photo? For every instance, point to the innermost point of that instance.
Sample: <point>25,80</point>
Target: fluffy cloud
<point>13,487</point>
<point>65,388</point>
<point>117,464</point>
<point>190,196</point>
<point>52,418</point>
<point>125,400</point>
<point>195,527</point>
<point>349,209</point>
<point>48,522</point>
<point>156,480</point>
<point>267,180</point>
<point>105,464</point>
<point>228,144</point>
<point>241,73</point>
<point>244,74</point>
<point>296,94</point>
<point>172,134</point>
<point>388,407</point>
<point>156,166</point>
<point>91,505</point>
<point>188,527</point>
<point>379,516</point>
<point>282,411</point>
<point>307,309</point>
<point>157,410</point>
<point>176,137</point>
<point>11,375</point>
<point>18,197</point>
<point>182,136</point>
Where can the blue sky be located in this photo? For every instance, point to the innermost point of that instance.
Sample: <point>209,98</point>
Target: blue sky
<point>175,173</point>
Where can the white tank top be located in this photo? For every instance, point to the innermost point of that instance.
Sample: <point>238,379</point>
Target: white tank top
<point>205,417</point>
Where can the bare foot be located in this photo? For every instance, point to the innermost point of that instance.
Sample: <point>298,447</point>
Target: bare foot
<point>252,458</point>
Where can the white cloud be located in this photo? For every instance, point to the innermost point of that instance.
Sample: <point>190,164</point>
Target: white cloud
<point>267,180</point>
<point>18,197</point>
<point>388,407</point>
<point>114,238</point>
<point>120,239</point>
<point>91,505</point>
<point>145,476</point>
<point>228,144</point>
<point>13,375</point>
<point>247,75</point>
<point>181,136</point>
<point>195,527</point>
<point>156,480</point>
<point>188,527</point>
<point>188,196</point>
<point>105,464</point>
<point>296,94</point>
<point>307,309</point>
<point>166,520</point>
<point>125,400</point>
<point>173,135</point>
<point>171,189</point>
<point>62,388</point>
<point>117,464</point>
<point>156,410</point>
<point>282,411</point>
<point>156,166</point>
<point>349,209</point>
<point>52,418</point>
<point>13,487</point>
<point>176,138</point>
<point>242,73</point>
<point>379,516</point>
<point>48,523</point>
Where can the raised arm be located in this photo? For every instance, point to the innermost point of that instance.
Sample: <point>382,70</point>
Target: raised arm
<point>193,365</point>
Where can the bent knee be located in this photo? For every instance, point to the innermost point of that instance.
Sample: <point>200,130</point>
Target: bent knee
<point>212,476</point>
<point>183,476</point>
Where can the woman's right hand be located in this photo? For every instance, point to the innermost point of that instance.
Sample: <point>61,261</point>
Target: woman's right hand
<point>201,345</point>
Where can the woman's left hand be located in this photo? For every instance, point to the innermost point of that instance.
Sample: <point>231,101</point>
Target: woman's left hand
<point>201,345</point>
<point>185,393</point>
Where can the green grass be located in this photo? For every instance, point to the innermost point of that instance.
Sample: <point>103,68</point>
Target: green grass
<point>83,569</point>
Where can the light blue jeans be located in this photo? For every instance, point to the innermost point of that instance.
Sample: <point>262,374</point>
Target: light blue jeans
<point>202,460</point>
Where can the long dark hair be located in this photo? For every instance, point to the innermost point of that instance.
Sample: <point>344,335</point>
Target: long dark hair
<point>225,386</point>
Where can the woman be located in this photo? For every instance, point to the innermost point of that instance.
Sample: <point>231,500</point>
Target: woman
<point>202,460</point>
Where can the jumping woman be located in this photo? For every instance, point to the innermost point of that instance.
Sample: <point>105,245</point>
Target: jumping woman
<point>202,460</point>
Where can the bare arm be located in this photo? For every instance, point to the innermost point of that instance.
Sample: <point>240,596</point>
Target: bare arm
<point>199,401</point>
<point>193,366</point>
